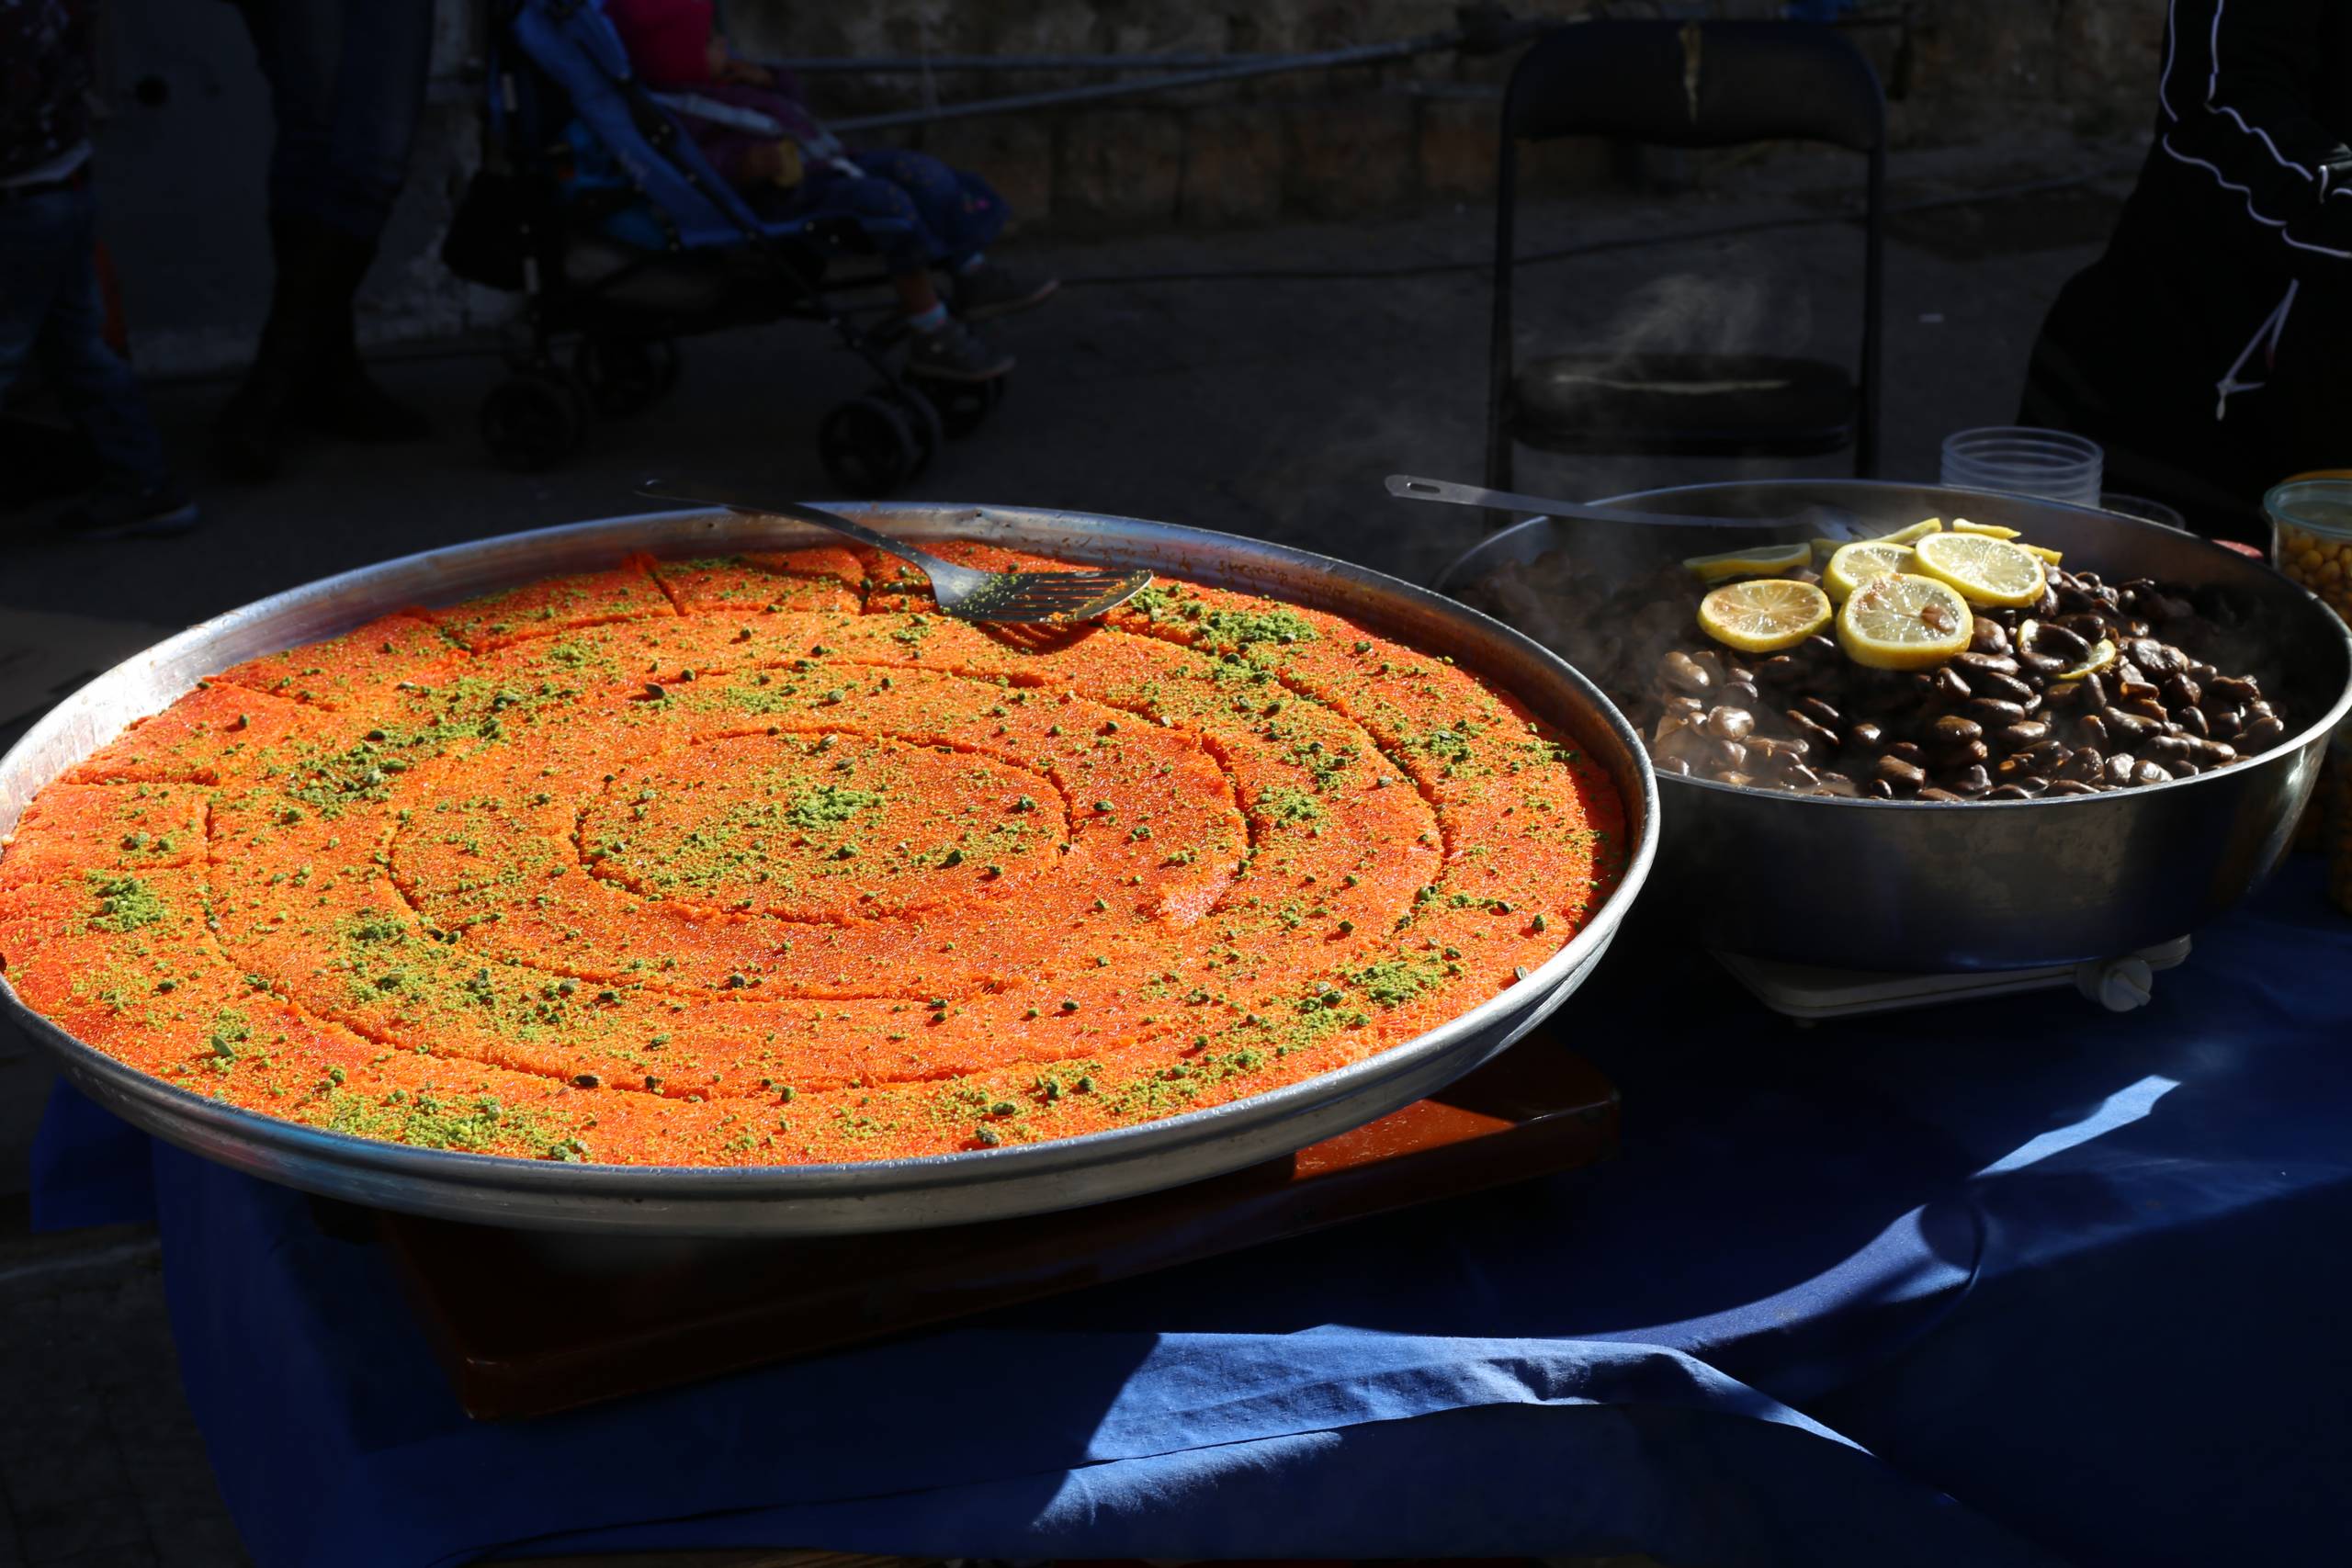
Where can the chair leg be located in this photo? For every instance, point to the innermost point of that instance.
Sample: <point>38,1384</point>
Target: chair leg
<point>1498,326</point>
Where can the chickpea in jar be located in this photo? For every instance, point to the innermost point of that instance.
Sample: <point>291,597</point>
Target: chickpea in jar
<point>2311,541</point>
<point>2311,537</point>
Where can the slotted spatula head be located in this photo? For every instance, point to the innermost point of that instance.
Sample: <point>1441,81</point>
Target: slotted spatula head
<point>1021,596</point>
<point>1009,597</point>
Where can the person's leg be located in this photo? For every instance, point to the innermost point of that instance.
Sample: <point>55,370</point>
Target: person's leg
<point>942,346</point>
<point>49,240</point>
<point>884,212</point>
<point>379,82</point>
<point>33,468</point>
<point>36,246</point>
<point>346,83</point>
<point>964,215</point>
<point>917,296</point>
<point>90,380</point>
<point>297,44</point>
<point>936,196</point>
<point>346,90</point>
<point>380,100</point>
<point>34,253</point>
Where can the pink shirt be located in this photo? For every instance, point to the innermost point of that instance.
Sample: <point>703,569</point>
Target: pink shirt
<point>668,40</point>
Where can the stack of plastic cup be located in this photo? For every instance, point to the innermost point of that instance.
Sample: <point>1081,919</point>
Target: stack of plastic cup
<point>2020,460</point>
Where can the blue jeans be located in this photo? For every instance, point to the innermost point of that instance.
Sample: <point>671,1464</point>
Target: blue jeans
<point>346,88</point>
<point>949,213</point>
<point>51,311</point>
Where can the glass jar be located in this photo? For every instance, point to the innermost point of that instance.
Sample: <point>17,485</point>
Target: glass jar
<point>2311,541</point>
<point>2311,537</point>
<point>2333,807</point>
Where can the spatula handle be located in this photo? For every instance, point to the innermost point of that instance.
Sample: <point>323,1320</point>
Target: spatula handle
<point>701,493</point>
<point>1412,487</point>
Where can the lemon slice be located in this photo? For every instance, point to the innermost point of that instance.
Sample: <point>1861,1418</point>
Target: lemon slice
<point>1912,535</point>
<point>1765,616</point>
<point>1903,621</point>
<point>2102,655</point>
<point>1986,571</point>
<point>1854,565</point>
<point>1756,560</point>
<point>2045,554</point>
<point>1990,530</point>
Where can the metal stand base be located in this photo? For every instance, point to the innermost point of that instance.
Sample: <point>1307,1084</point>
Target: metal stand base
<point>1807,993</point>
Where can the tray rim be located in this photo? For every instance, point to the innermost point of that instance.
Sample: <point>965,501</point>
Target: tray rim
<point>851,1196</point>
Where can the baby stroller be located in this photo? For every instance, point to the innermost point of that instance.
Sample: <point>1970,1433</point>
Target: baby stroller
<point>594,203</point>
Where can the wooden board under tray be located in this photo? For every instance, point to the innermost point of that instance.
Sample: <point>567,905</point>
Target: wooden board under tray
<point>528,1325</point>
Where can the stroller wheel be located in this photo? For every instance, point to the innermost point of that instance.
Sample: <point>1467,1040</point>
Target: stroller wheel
<point>922,419</point>
<point>532,422</point>
<point>964,406</point>
<point>624,375</point>
<point>869,447</point>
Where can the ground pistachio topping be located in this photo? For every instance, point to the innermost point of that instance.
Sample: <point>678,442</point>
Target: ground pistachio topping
<point>761,859</point>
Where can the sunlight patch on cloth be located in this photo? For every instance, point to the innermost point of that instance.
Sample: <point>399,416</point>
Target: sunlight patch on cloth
<point>2121,1109</point>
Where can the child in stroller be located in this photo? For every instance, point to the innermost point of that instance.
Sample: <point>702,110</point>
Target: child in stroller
<point>751,124</point>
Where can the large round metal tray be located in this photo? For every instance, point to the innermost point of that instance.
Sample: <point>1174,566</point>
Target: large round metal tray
<point>883,1194</point>
<point>1911,887</point>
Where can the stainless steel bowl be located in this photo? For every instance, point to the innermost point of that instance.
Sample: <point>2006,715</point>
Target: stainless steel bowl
<point>880,1195</point>
<point>1916,886</point>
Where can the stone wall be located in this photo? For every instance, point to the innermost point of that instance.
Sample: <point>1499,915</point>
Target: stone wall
<point>1314,144</point>
<point>183,155</point>
<point>1980,66</point>
<point>1337,143</point>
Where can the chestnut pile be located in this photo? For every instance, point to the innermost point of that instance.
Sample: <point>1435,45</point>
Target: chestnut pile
<point>2097,686</point>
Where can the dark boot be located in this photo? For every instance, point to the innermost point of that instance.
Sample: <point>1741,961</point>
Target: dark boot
<point>956,352</point>
<point>250,440</point>
<point>341,398</point>
<point>989,291</point>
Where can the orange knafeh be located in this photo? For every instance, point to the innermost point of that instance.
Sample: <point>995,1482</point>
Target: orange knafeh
<point>762,860</point>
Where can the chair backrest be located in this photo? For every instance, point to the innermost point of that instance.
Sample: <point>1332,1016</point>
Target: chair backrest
<point>574,43</point>
<point>1691,84</point>
<point>1697,85</point>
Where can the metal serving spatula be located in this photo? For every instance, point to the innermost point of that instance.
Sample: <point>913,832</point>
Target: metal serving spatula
<point>961,590</point>
<point>1832,521</point>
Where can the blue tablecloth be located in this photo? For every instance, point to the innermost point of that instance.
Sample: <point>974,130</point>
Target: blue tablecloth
<point>2018,1282</point>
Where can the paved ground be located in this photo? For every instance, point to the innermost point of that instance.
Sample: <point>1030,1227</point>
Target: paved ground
<point>1266,408</point>
<point>99,1461</point>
